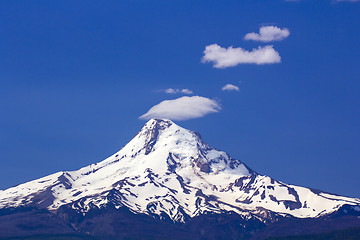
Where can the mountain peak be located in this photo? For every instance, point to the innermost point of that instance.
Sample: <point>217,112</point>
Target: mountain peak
<point>158,123</point>
<point>167,169</point>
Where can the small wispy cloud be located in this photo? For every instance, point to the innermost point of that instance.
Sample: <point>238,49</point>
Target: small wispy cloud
<point>268,34</point>
<point>230,87</point>
<point>171,91</point>
<point>186,91</point>
<point>183,108</point>
<point>230,57</point>
<point>174,91</point>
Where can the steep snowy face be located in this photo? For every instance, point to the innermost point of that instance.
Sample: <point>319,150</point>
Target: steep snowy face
<point>164,147</point>
<point>161,139</point>
<point>166,169</point>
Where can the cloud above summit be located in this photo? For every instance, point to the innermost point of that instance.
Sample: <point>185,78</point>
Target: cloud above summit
<point>183,108</point>
<point>230,57</point>
<point>268,34</point>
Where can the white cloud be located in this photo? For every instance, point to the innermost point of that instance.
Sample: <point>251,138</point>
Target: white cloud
<point>230,87</point>
<point>268,34</point>
<point>230,57</point>
<point>186,91</point>
<point>183,108</point>
<point>171,90</point>
<point>174,91</point>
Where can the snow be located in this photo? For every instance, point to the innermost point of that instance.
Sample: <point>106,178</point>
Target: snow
<point>141,174</point>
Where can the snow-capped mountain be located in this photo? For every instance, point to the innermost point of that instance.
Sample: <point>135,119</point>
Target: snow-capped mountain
<point>169,172</point>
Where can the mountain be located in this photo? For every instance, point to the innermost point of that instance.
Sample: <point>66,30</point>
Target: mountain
<point>168,176</point>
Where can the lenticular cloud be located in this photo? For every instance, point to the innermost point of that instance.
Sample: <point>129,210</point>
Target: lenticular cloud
<point>183,108</point>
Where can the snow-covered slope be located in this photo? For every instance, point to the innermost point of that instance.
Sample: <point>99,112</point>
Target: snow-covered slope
<point>166,169</point>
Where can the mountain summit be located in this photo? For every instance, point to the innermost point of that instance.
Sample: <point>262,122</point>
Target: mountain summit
<point>169,173</point>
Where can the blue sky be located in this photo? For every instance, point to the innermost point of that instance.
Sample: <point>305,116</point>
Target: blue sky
<point>75,77</point>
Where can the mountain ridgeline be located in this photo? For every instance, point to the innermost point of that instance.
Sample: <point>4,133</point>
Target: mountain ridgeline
<point>167,183</point>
